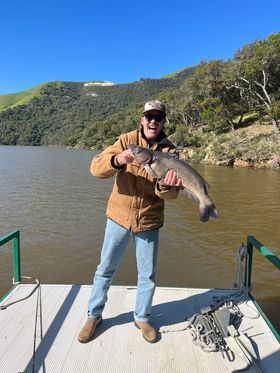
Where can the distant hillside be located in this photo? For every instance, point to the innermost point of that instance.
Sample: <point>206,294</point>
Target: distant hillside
<point>219,112</point>
<point>187,71</point>
<point>15,99</point>
<point>50,113</point>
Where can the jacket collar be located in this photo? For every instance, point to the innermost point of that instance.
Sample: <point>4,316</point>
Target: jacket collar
<point>160,140</point>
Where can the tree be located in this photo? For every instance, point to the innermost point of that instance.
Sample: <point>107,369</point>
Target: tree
<point>257,74</point>
<point>211,103</point>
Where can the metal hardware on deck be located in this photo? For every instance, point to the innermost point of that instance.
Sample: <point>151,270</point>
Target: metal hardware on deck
<point>209,328</point>
<point>13,236</point>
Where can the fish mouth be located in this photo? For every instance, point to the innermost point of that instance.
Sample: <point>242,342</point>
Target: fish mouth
<point>143,160</point>
<point>139,154</point>
<point>146,161</point>
<point>135,149</point>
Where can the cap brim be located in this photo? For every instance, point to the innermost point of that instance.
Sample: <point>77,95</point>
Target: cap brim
<point>163,112</point>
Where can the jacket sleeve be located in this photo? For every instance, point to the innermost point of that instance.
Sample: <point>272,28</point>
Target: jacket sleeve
<point>167,192</point>
<point>103,165</point>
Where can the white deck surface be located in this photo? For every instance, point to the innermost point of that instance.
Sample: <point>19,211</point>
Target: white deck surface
<point>117,345</point>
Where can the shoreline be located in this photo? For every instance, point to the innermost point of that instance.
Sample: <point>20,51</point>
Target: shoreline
<point>273,162</point>
<point>257,146</point>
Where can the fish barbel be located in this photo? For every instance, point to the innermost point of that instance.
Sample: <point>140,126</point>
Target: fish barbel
<point>194,186</point>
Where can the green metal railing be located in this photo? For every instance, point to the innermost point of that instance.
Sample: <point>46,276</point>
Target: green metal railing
<point>251,243</point>
<point>14,237</point>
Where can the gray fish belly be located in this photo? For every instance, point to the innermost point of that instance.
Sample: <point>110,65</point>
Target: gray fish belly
<point>194,186</point>
<point>192,182</point>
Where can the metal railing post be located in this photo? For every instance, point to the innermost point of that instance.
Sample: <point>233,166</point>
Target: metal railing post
<point>249,261</point>
<point>14,237</point>
<point>264,251</point>
<point>16,260</point>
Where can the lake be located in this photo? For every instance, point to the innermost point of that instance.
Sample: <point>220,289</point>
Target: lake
<point>59,208</point>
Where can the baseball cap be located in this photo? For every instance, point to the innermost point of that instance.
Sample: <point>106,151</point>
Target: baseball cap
<point>154,105</point>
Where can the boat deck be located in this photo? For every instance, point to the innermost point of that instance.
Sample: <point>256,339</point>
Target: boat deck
<point>117,345</point>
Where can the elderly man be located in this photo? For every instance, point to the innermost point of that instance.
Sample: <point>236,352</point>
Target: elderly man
<point>135,208</point>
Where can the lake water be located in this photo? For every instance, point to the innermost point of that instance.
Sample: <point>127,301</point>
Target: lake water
<point>59,208</point>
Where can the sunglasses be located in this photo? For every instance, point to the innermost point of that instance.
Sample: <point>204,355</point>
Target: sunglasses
<point>156,117</point>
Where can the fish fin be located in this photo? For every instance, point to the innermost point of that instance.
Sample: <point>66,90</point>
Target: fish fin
<point>207,186</point>
<point>189,194</point>
<point>150,170</point>
<point>203,214</point>
<point>207,210</point>
<point>214,213</point>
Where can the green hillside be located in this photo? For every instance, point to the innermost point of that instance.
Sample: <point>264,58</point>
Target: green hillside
<point>15,99</point>
<point>186,71</point>
<point>55,113</point>
<point>220,112</point>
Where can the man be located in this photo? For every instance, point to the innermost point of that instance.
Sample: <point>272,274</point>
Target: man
<point>135,208</point>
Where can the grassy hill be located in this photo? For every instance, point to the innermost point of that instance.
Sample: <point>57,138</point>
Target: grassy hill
<point>187,71</point>
<point>15,99</point>
<point>57,113</point>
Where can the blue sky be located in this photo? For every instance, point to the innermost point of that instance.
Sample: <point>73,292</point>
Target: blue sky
<point>122,41</point>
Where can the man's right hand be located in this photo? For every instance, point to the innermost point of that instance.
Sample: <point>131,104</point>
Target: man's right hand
<point>124,157</point>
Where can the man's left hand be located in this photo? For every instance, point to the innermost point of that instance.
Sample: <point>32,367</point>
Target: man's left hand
<point>171,179</point>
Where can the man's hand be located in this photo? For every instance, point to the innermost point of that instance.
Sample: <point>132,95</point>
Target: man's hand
<point>124,157</point>
<point>170,179</point>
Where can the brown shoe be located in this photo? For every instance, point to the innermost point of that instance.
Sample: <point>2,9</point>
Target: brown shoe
<point>149,333</point>
<point>89,328</point>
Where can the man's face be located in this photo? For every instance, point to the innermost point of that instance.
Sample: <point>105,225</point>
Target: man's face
<point>152,123</point>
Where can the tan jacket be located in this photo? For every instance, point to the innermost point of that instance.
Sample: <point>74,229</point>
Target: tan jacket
<point>136,201</point>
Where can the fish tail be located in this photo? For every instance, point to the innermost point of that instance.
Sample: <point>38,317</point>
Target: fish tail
<point>206,210</point>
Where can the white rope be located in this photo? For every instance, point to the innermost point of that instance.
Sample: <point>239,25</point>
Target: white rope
<point>6,305</point>
<point>180,327</point>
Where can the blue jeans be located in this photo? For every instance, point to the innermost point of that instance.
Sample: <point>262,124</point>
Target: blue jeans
<point>114,245</point>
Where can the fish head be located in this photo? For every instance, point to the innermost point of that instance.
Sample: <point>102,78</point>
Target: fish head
<point>142,155</point>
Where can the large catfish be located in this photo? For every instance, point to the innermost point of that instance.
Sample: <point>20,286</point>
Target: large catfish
<point>195,187</point>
